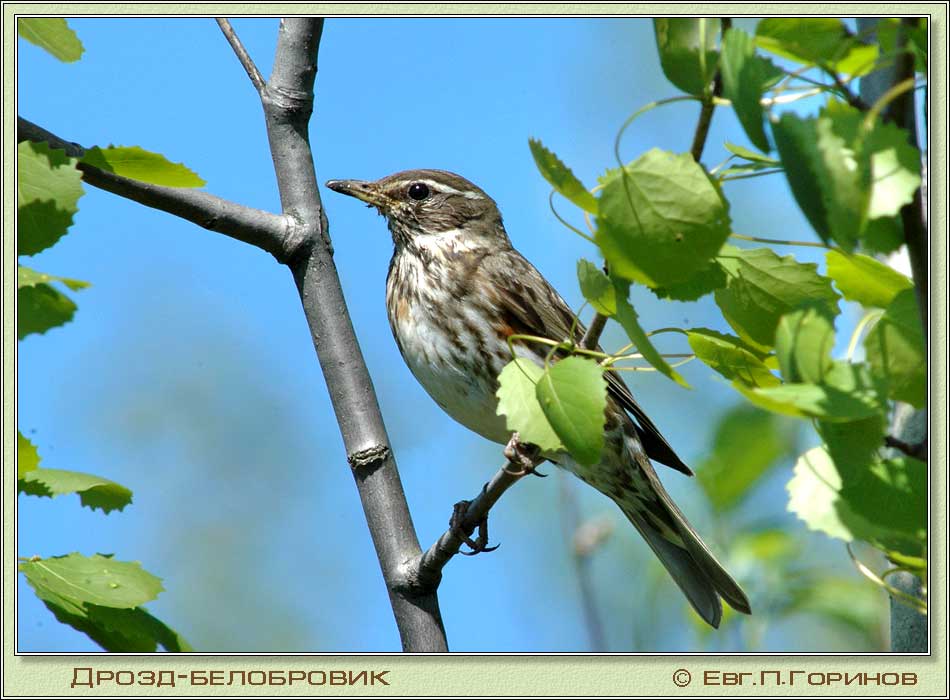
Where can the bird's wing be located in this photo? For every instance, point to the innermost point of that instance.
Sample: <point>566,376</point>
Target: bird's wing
<point>531,306</point>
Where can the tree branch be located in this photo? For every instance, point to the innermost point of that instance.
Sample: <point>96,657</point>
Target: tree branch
<point>241,53</point>
<point>259,228</point>
<point>288,103</point>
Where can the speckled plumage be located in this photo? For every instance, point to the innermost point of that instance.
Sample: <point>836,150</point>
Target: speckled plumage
<point>456,290</point>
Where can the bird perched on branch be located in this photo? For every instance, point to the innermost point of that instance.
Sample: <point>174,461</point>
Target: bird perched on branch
<point>456,291</point>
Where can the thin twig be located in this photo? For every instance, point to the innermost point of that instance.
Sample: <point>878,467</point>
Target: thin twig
<point>706,111</point>
<point>243,56</point>
<point>270,232</point>
<point>917,450</point>
<point>592,335</point>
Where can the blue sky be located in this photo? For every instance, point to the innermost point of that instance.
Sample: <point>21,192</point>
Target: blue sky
<point>188,373</point>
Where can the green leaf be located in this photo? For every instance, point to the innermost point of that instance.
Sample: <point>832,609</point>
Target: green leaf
<point>677,223</point>
<point>747,442</point>
<point>849,393</point>
<point>896,351</point>
<point>94,491</point>
<point>745,77</point>
<point>40,308</point>
<point>804,340</point>
<point>48,190</point>
<point>100,580</point>
<point>730,357</point>
<point>885,505</point>
<point>597,288</point>
<point>821,41</point>
<point>687,48</point>
<point>705,281</point>
<point>855,445</point>
<point>813,494</point>
<point>865,280</point>
<point>27,458</point>
<point>752,155</point>
<point>843,176</point>
<point>627,317</point>
<point>517,401</point>
<point>561,178</point>
<point>883,236</point>
<point>118,629</point>
<point>895,169</point>
<point>573,395</point>
<point>138,164</point>
<point>763,287</point>
<point>27,277</point>
<point>53,35</point>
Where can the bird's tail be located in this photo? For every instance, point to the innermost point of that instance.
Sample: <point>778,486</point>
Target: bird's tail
<point>679,547</point>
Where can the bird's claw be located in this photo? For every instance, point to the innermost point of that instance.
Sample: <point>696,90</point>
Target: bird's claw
<point>480,543</point>
<point>525,457</point>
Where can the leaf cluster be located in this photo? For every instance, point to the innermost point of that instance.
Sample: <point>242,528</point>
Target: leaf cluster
<point>663,221</point>
<point>96,595</point>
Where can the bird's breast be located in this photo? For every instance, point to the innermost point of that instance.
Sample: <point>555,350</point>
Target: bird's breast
<point>447,342</point>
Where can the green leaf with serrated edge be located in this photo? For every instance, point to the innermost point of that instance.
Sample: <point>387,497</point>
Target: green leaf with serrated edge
<point>677,223</point>
<point>753,156</point>
<point>114,629</point>
<point>517,401</point>
<point>804,340</point>
<point>48,190</point>
<point>687,48</point>
<point>762,287</point>
<point>816,41</point>
<point>94,491</point>
<point>896,351</point>
<point>745,78</point>
<point>100,580</point>
<point>701,283</point>
<point>40,308</point>
<point>51,34</point>
<point>813,494</point>
<point>894,169</point>
<point>883,236</point>
<point>855,445</point>
<point>730,357</point>
<point>136,163</point>
<point>627,317</point>
<point>27,458</point>
<point>596,288</point>
<point>573,395</point>
<point>26,277</point>
<point>865,280</point>
<point>823,401</point>
<point>561,178</point>
<point>746,443</point>
<point>885,505</point>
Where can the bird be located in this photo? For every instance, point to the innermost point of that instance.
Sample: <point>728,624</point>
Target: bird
<point>456,291</point>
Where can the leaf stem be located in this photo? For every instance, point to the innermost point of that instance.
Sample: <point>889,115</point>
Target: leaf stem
<point>775,241</point>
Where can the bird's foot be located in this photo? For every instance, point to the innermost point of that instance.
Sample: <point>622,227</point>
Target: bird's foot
<point>522,458</point>
<point>456,524</point>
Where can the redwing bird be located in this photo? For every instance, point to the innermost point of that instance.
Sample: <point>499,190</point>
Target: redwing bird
<point>456,291</point>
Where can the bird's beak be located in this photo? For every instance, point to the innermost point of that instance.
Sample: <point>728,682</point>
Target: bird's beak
<point>368,192</point>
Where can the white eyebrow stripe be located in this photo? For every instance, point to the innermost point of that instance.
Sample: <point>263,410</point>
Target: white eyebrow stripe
<point>445,189</point>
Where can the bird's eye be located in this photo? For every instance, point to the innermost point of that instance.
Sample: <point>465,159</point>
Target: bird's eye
<point>418,191</point>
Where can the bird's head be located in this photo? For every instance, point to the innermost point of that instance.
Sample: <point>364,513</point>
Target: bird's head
<point>430,206</point>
